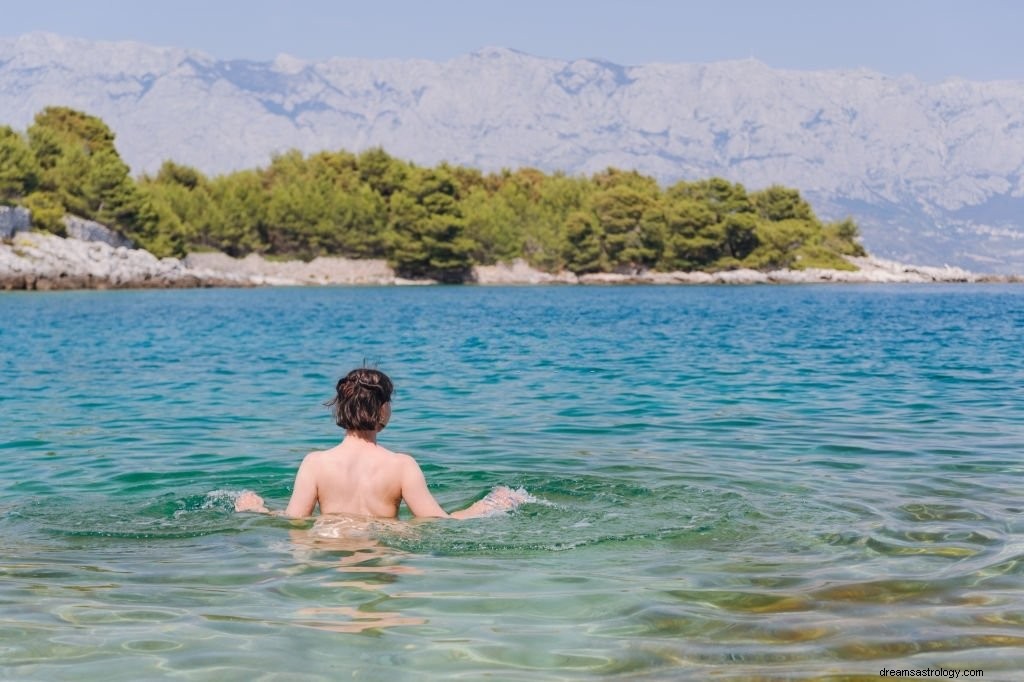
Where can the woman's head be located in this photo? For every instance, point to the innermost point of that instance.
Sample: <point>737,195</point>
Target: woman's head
<point>363,400</point>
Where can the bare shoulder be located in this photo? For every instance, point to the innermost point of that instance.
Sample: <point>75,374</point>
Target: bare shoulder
<point>395,458</point>
<point>404,459</point>
<point>313,458</point>
<point>405,462</point>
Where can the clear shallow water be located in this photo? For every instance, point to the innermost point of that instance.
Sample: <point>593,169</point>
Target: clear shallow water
<point>737,483</point>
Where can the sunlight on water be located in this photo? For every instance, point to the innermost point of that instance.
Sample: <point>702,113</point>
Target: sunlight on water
<point>727,483</point>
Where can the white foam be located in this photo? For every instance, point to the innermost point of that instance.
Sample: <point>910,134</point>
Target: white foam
<point>215,497</point>
<point>504,499</point>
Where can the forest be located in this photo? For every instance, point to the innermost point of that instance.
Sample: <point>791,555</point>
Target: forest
<point>427,222</point>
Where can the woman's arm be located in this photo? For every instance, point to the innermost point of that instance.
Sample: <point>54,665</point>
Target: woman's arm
<point>304,495</point>
<point>415,492</point>
<point>303,499</point>
<point>421,503</point>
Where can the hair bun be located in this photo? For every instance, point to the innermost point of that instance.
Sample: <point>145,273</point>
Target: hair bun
<point>362,410</point>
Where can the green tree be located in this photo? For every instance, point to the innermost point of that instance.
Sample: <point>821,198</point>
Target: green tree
<point>585,252</point>
<point>110,194</point>
<point>295,214</point>
<point>242,204</point>
<point>66,178</point>
<point>545,238</point>
<point>74,128</point>
<point>781,203</point>
<point>172,173</point>
<point>157,229</point>
<point>780,243</point>
<point>355,215</point>
<point>64,140</point>
<point>614,177</point>
<point>491,224</point>
<point>47,212</point>
<point>720,196</point>
<point>383,173</point>
<point>732,234</point>
<point>740,237</point>
<point>528,226</point>
<point>361,217</point>
<point>428,230</point>
<point>692,241</point>
<point>633,226</point>
<point>81,168</point>
<point>46,147</point>
<point>843,237</point>
<point>19,172</point>
<point>179,196</point>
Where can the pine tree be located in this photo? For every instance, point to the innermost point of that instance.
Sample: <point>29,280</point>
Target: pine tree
<point>585,239</point>
<point>19,172</point>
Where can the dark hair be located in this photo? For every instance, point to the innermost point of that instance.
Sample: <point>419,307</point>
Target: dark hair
<point>360,400</point>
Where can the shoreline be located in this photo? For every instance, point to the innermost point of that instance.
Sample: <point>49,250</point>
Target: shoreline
<point>38,261</point>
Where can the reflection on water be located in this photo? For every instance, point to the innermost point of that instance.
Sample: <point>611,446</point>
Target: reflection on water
<point>348,619</point>
<point>350,544</point>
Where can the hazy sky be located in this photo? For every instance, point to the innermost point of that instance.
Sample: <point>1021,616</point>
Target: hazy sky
<point>931,39</point>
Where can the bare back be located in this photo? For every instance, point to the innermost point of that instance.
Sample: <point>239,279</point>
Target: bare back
<point>365,480</point>
<point>360,477</point>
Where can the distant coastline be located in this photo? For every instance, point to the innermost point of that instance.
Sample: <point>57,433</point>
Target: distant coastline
<point>427,223</point>
<point>832,133</point>
<point>44,262</point>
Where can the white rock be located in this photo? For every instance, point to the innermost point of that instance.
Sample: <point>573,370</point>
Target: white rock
<point>740,277</point>
<point>91,231</point>
<point>14,219</point>
<point>518,272</point>
<point>321,270</point>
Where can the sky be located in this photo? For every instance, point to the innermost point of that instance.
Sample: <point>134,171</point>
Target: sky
<point>929,39</point>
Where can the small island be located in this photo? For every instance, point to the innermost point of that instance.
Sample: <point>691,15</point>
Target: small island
<point>71,216</point>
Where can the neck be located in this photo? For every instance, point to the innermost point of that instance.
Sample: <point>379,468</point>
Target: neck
<point>368,436</point>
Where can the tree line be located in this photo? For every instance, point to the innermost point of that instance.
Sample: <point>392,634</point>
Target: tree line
<point>425,221</point>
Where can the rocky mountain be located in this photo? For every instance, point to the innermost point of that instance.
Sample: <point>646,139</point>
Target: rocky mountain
<point>934,173</point>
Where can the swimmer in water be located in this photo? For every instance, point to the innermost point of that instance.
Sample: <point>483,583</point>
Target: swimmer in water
<point>360,477</point>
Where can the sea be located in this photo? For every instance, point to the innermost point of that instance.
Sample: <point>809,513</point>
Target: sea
<point>730,482</point>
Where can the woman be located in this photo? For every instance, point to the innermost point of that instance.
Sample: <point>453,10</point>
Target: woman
<point>360,477</point>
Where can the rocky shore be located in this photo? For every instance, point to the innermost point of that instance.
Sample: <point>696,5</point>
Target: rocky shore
<point>39,261</point>
<point>870,270</point>
<point>32,260</point>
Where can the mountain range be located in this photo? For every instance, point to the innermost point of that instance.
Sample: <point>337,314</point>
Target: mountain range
<point>933,173</point>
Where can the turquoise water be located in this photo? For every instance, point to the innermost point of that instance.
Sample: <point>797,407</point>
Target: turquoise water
<point>731,483</point>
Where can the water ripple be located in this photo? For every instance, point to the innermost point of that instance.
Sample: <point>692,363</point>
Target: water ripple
<point>730,483</point>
